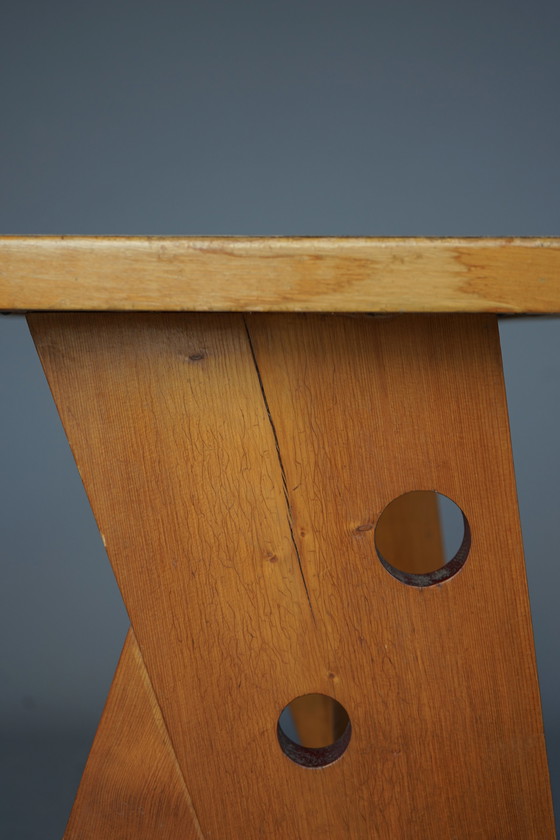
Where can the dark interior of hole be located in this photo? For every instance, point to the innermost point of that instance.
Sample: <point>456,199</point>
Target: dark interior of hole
<point>422,537</point>
<point>314,720</point>
<point>314,730</point>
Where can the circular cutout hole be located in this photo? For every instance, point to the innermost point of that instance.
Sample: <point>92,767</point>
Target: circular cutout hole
<point>422,538</point>
<point>314,730</point>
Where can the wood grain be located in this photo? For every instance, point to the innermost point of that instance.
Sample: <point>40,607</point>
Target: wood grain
<point>277,274</point>
<point>441,682</point>
<point>237,470</point>
<point>132,788</point>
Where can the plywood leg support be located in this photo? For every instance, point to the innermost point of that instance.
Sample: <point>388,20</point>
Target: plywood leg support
<point>237,467</point>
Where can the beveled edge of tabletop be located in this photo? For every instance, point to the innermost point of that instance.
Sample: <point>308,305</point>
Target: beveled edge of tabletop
<point>297,274</point>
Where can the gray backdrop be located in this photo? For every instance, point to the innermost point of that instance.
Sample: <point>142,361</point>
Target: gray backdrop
<point>247,118</point>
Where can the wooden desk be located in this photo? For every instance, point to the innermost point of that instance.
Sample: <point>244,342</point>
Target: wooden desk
<point>243,413</point>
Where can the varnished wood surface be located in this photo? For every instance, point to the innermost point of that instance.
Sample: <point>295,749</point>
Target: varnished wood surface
<point>132,787</point>
<point>280,274</point>
<point>237,469</point>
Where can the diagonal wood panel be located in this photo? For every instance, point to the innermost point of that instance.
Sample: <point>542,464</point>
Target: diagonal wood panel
<point>236,477</point>
<point>132,788</point>
<point>170,432</point>
<point>440,682</point>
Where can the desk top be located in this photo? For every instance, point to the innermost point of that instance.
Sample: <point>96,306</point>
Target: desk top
<point>514,275</point>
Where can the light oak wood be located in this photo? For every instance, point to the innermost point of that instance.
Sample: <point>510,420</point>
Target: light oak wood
<point>365,412</point>
<point>132,787</point>
<point>277,274</point>
<point>237,469</point>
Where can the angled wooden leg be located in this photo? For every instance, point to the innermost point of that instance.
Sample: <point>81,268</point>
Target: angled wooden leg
<point>132,786</point>
<point>237,468</point>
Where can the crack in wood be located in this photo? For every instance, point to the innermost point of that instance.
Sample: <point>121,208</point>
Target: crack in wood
<point>281,464</point>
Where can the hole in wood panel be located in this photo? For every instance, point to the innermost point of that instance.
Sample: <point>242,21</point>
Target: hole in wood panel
<point>422,538</point>
<point>314,730</point>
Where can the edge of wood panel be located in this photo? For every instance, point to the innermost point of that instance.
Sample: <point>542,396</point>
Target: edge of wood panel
<point>507,275</point>
<point>132,785</point>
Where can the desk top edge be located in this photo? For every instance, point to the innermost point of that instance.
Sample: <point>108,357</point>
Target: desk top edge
<point>508,275</point>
